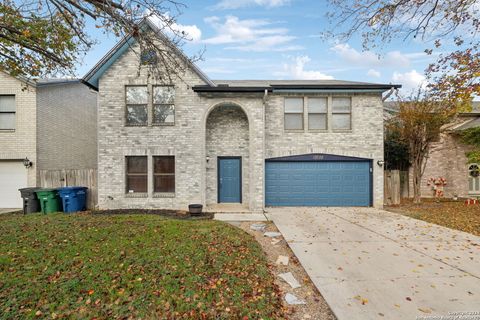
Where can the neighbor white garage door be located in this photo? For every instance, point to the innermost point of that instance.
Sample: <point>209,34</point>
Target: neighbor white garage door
<point>13,176</point>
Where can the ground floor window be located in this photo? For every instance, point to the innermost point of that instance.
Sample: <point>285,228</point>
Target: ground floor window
<point>474,179</point>
<point>137,173</point>
<point>164,174</point>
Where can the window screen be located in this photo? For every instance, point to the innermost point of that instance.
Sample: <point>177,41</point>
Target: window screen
<point>293,114</point>
<point>341,113</point>
<point>317,113</point>
<point>163,105</point>
<point>136,174</point>
<point>164,174</point>
<point>7,112</point>
<point>137,101</point>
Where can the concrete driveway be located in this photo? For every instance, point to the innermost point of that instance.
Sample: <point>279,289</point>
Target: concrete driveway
<point>374,264</point>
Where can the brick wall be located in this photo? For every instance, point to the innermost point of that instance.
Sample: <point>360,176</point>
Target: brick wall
<point>66,127</point>
<point>196,135</point>
<point>364,140</point>
<point>446,159</point>
<point>20,143</point>
<point>227,135</point>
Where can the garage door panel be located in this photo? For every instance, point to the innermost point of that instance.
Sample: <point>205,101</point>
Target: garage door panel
<point>13,176</point>
<point>318,183</point>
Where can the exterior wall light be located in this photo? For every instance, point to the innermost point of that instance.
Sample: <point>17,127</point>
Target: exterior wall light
<point>380,163</point>
<point>27,163</point>
<point>207,158</point>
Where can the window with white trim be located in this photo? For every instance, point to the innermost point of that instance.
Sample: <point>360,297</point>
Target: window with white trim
<point>474,179</point>
<point>7,112</point>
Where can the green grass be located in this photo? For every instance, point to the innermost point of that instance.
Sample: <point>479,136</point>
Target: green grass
<point>145,266</point>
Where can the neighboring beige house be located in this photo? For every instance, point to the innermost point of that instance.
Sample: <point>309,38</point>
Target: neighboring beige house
<point>44,125</point>
<point>447,157</point>
<point>252,143</point>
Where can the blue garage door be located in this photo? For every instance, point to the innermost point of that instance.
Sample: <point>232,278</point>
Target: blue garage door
<point>322,183</point>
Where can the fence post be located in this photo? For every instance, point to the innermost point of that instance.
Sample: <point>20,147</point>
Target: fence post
<point>392,187</point>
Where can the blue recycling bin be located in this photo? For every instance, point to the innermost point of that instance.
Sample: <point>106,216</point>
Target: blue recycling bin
<point>73,198</point>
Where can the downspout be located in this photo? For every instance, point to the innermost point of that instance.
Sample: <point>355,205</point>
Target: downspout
<point>265,97</point>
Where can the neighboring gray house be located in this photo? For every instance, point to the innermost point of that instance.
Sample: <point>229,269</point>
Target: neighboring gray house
<point>44,125</point>
<point>256,143</point>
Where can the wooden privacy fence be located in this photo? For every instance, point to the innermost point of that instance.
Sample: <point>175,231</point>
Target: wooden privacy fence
<point>72,177</point>
<point>395,186</point>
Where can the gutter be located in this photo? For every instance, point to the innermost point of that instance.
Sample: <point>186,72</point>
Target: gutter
<point>300,88</point>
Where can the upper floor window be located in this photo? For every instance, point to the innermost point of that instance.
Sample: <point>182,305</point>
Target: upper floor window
<point>163,105</point>
<point>293,114</point>
<point>7,112</point>
<point>137,105</point>
<point>137,172</point>
<point>317,113</point>
<point>341,113</point>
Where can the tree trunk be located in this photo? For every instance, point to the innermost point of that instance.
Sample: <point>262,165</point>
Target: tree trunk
<point>417,180</point>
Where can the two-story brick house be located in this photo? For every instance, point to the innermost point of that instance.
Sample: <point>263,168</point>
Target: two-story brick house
<point>44,125</point>
<point>258,143</point>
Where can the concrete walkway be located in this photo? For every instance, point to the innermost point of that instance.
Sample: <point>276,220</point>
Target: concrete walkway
<point>6,210</point>
<point>374,264</point>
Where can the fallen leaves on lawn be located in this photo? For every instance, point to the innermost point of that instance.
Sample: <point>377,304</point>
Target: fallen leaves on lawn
<point>451,214</point>
<point>138,266</point>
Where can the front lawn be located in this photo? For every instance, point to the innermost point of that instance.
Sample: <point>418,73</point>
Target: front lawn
<point>451,214</point>
<point>140,266</point>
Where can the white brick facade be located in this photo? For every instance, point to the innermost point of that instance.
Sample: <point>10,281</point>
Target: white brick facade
<point>20,143</point>
<point>205,128</point>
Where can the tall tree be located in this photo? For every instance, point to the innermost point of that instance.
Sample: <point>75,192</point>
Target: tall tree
<point>442,23</point>
<point>419,123</point>
<point>49,37</point>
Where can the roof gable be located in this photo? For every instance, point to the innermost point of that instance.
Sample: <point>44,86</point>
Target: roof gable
<point>93,76</point>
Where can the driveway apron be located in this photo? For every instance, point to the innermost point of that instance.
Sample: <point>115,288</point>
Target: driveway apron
<point>374,264</point>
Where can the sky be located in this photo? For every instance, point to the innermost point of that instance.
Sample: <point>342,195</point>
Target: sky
<point>280,39</point>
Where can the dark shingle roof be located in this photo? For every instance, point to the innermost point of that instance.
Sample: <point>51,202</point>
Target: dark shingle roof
<point>279,85</point>
<point>270,83</point>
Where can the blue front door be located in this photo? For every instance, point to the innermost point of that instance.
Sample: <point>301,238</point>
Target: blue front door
<point>229,180</point>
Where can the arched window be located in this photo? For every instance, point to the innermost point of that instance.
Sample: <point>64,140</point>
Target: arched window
<point>474,178</point>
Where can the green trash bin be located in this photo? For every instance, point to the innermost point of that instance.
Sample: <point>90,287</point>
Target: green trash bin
<point>49,200</point>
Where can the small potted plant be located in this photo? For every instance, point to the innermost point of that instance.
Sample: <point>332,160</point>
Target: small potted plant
<point>195,209</point>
